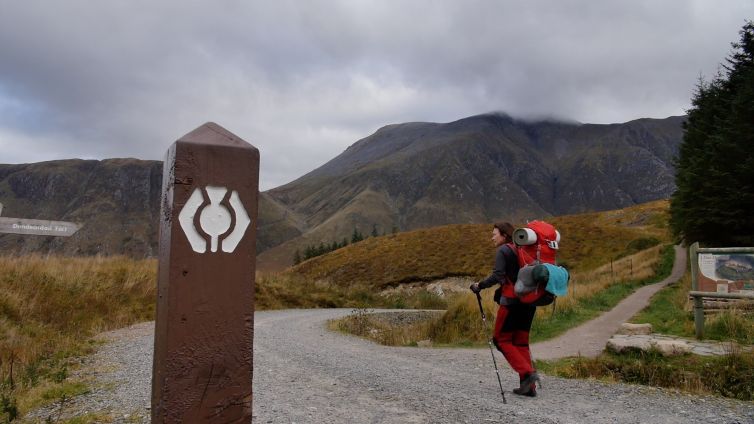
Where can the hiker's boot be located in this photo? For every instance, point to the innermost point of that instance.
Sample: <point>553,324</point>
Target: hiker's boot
<point>528,384</point>
<point>531,393</point>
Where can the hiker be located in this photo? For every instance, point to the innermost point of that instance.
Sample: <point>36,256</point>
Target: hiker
<point>513,322</point>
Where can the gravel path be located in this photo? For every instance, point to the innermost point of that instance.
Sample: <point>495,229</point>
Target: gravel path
<point>304,373</point>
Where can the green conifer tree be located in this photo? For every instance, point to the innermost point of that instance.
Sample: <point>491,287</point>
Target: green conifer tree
<point>296,258</point>
<point>308,252</point>
<point>714,199</point>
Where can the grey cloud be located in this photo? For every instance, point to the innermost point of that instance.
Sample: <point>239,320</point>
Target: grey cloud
<point>303,80</point>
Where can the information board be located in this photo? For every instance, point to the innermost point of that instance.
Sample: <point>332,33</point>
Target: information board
<point>726,273</point>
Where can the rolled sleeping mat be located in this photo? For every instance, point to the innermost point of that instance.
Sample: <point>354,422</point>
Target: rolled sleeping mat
<point>524,237</point>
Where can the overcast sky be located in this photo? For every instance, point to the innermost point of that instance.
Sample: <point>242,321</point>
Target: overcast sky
<point>303,80</point>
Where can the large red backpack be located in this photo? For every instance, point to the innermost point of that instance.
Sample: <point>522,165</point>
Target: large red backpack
<point>537,243</point>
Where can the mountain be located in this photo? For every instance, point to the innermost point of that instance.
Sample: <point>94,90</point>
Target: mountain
<point>402,177</point>
<point>478,169</point>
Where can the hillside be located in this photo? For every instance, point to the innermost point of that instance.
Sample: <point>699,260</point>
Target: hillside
<point>116,200</point>
<point>587,240</point>
<point>475,170</point>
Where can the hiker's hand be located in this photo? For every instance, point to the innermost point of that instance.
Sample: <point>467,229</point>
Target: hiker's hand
<point>475,288</point>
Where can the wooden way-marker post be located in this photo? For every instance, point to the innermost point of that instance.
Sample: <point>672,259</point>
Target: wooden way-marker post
<point>204,330</point>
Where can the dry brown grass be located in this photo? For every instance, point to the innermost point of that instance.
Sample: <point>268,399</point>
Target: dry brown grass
<point>49,307</point>
<point>69,297</point>
<point>588,241</point>
<point>591,240</point>
<point>397,258</point>
<point>382,329</point>
<point>278,291</point>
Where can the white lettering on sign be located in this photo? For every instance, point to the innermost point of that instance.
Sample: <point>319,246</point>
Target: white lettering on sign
<point>37,227</point>
<point>34,227</point>
<point>707,265</point>
<point>214,220</point>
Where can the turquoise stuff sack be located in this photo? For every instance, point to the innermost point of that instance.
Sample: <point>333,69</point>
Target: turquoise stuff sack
<point>557,282</point>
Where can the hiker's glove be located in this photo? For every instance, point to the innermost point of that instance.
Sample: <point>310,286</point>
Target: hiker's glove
<point>475,288</point>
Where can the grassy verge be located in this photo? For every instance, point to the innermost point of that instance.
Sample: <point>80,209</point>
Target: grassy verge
<point>670,312</point>
<point>731,375</point>
<point>383,329</point>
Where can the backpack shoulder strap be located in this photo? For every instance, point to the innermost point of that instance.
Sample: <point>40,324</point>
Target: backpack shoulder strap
<point>509,252</point>
<point>511,261</point>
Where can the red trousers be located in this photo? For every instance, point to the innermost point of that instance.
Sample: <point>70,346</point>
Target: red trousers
<point>511,336</point>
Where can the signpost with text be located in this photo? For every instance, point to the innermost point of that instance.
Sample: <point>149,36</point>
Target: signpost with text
<point>36,227</point>
<point>205,307</point>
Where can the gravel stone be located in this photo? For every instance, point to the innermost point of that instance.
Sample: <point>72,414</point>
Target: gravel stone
<point>403,317</point>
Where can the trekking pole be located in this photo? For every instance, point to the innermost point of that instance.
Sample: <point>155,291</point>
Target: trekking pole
<point>489,342</point>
